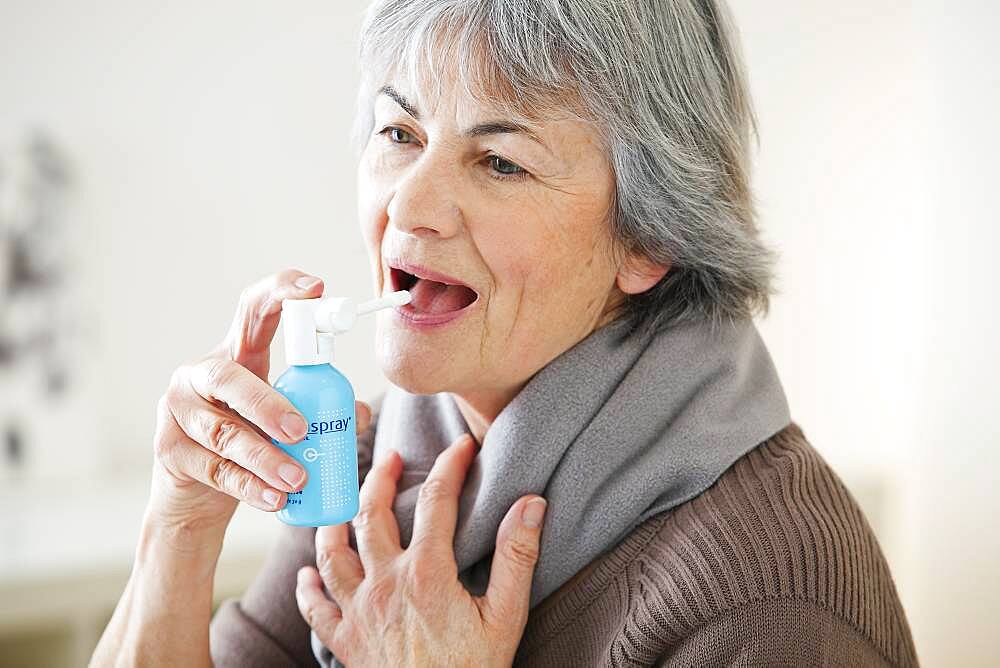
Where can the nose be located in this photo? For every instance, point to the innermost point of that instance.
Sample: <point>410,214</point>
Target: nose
<point>424,202</point>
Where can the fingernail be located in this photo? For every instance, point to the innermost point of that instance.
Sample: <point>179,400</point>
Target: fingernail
<point>271,497</point>
<point>293,425</point>
<point>291,474</point>
<point>533,513</point>
<point>307,282</point>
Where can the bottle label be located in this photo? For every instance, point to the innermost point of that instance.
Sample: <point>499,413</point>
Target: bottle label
<point>329,426</point>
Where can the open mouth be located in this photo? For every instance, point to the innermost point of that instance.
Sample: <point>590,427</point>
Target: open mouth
<point>431,293</point>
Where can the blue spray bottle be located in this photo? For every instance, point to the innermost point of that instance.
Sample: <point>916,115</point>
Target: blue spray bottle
<point>329,452</point>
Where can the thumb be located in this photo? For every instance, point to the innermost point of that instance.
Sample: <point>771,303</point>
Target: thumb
<point>507,598</point>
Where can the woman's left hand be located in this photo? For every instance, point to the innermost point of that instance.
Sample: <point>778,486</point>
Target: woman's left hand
<point>407,607</point>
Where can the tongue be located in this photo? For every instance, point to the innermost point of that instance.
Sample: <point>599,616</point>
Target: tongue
<point>429,296</point>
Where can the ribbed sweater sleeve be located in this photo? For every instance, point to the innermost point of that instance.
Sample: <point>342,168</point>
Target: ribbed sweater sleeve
<point>775,632</point>
<point>774,564</point>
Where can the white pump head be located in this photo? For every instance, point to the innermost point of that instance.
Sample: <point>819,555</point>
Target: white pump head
<point>309,325</point>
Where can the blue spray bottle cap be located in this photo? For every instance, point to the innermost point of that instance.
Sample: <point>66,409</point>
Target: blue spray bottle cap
<point>309,325</point>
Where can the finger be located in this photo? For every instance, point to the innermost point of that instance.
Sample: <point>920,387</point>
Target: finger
<point>338,564</point>
<point>362,416</point>
<point>320,613</point>
<point>437,503</point>
<point>257,316</point>
<point>187,460</point>
<point>508,595</point>
<point>229,436</point>
<point>375,526</point>
<point>216,379</point>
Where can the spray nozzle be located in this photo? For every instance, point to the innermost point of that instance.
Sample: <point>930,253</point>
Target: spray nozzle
<point>310,324</point>
<point>337,314</point>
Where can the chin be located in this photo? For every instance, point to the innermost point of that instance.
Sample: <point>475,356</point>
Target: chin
<point>417,372</point>
<point>412,381</point>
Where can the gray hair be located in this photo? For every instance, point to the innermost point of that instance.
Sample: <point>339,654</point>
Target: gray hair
<point>662,81</point>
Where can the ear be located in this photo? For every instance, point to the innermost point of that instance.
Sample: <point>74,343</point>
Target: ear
<point>639,274</point>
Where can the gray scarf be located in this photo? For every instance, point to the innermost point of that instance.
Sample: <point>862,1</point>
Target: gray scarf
<point>612,432</point>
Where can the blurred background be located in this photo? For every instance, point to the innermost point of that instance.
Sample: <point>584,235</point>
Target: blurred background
<point>155,158</point>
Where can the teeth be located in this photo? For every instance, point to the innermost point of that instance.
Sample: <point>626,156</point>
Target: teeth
<point>408,280</point>
<point>417,277</point>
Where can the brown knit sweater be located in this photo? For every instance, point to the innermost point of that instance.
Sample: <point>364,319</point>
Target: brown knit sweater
<point>773,565</point>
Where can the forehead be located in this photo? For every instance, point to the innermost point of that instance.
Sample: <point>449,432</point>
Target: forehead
<point>432,97</point>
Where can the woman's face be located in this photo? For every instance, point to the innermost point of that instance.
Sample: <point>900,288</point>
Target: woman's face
<point>452,191</point>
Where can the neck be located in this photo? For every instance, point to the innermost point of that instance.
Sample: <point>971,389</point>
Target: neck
<point>480,408</point>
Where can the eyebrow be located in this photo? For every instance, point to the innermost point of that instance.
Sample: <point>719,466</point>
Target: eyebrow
<point>481,130</point>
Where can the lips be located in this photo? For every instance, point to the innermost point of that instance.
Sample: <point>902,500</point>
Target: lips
<point>432,293</point>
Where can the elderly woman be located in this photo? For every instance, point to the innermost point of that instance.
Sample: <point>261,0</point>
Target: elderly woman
<point>585,456</point>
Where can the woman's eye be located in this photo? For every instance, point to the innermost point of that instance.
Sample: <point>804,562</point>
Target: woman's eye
<point>505,167</point>
<point>397,135</point>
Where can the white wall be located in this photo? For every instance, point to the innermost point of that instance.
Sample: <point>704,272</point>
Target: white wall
<point>958,542</point>
<point>211,142</point>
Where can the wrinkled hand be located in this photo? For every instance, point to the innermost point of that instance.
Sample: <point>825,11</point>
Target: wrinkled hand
<point>214,423</point>
<point>397,607</point>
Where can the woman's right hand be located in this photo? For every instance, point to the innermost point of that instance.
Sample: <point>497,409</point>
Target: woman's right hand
<point>214,423</point>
